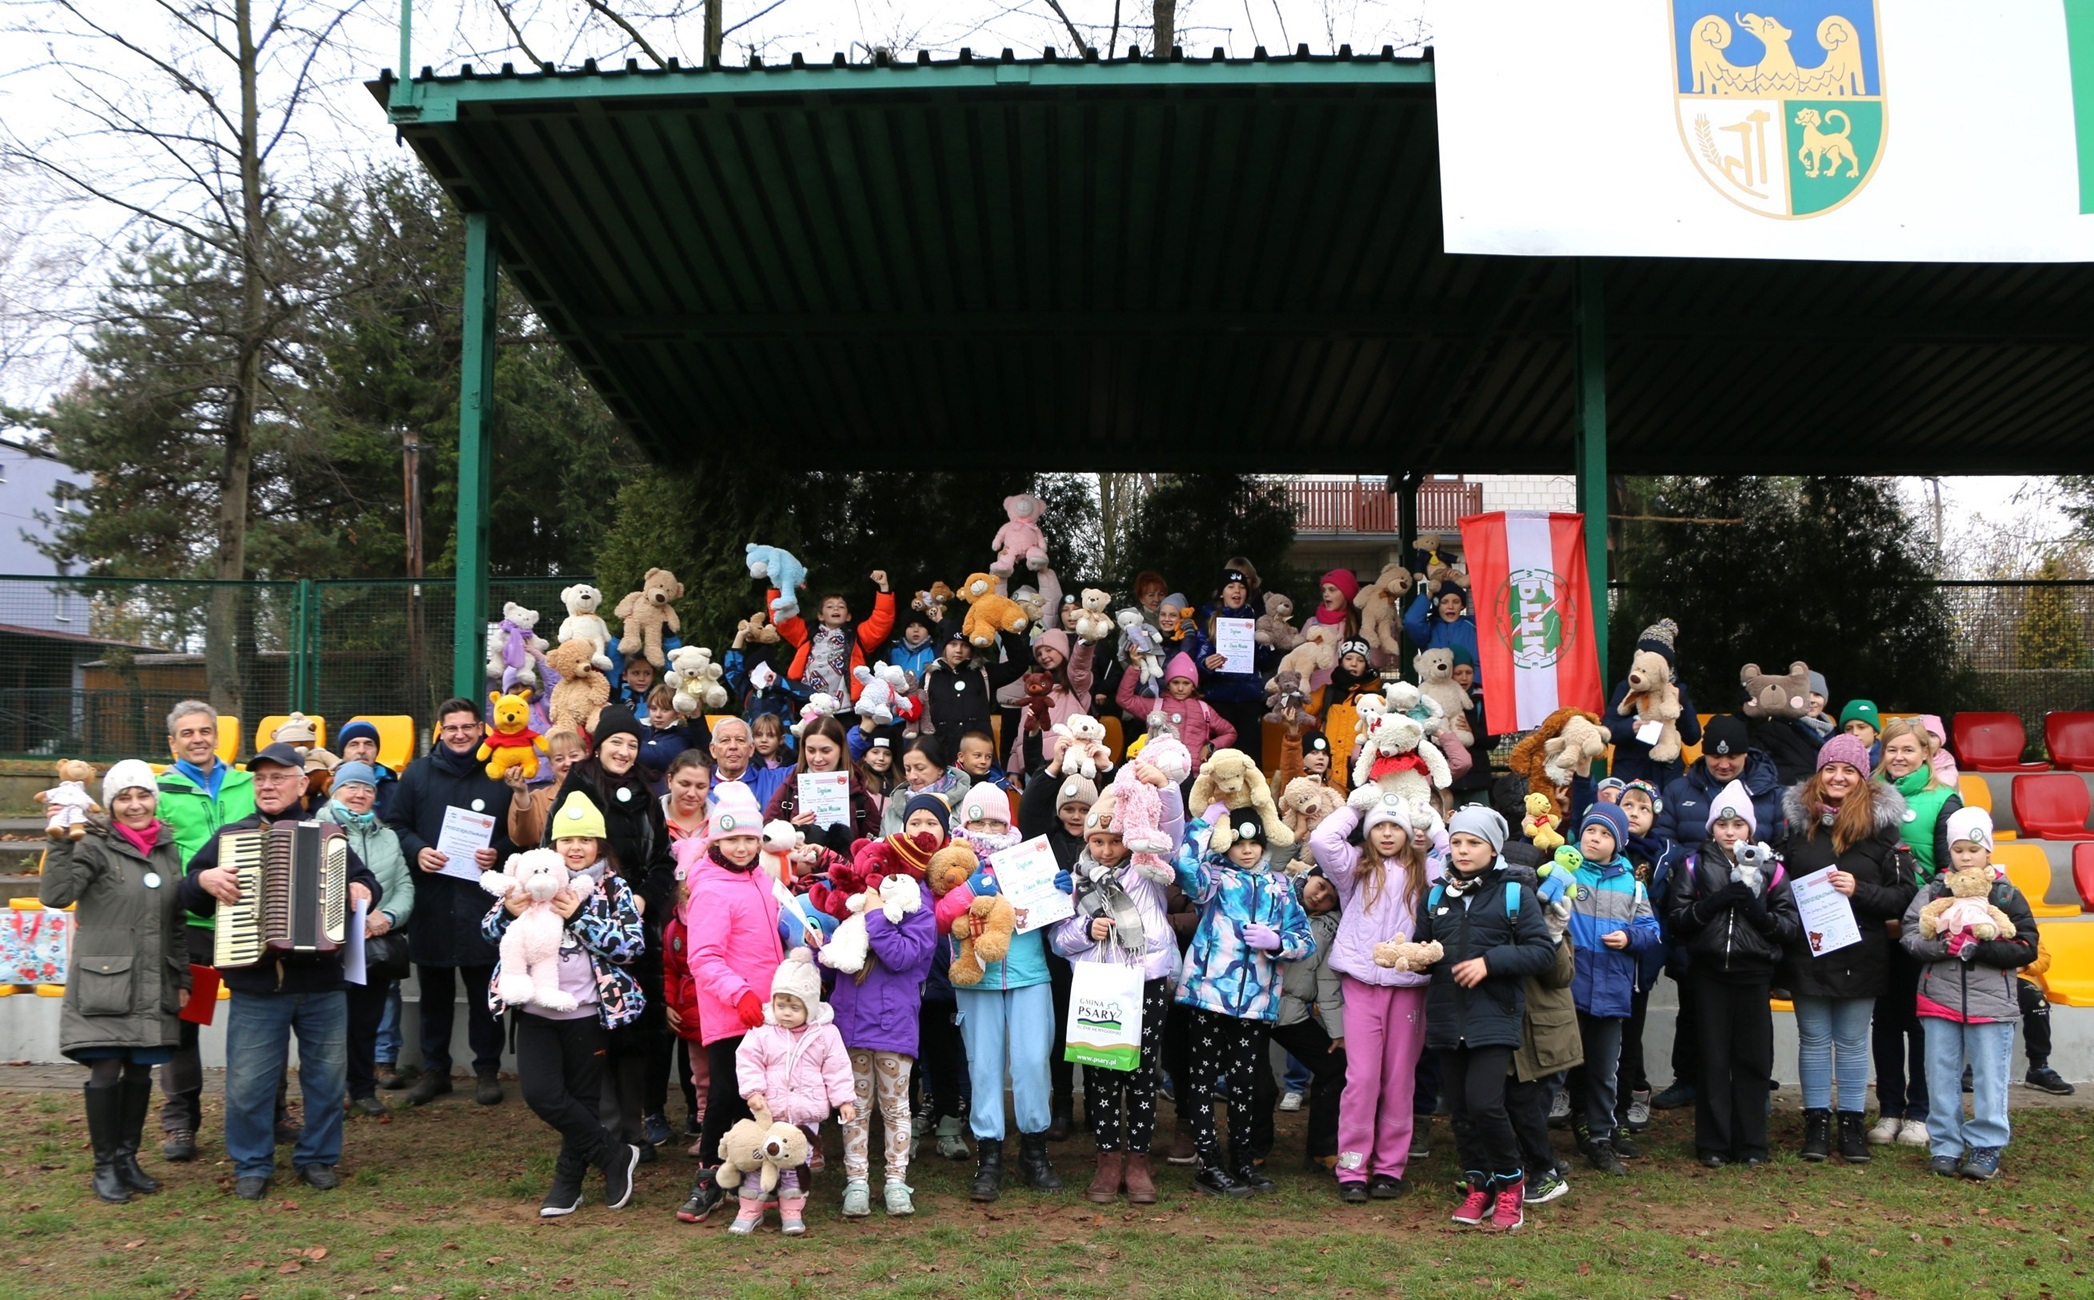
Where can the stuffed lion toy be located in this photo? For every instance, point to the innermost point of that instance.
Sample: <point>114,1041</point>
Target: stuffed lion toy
<point>1231,779</point>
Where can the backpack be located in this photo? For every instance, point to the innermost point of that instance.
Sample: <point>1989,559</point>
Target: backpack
<point>1512,898</point>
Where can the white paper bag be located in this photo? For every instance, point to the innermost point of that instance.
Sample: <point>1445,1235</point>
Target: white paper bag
<point>1105,1015</point>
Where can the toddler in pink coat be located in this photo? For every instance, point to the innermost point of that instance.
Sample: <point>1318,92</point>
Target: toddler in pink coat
<point>795,1066</point>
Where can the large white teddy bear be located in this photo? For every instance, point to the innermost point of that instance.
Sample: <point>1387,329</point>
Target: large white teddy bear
<point>847,949</point>
<point>531,945</point>
<point>583,623</point>
<point>695,679</point>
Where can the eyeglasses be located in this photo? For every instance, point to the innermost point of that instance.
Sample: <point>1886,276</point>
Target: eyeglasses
<point>466,729</point>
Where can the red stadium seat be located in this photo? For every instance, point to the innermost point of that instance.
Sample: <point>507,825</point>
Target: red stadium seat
<point>2052,805</point>
<point>1990,742</point>
<point>2070,739</point>
<point>2083,873</point>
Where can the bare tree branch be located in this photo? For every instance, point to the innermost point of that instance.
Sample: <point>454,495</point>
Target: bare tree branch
<point>600,7</point>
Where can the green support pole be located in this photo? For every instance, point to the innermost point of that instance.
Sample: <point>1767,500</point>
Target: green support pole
<point>1589,330</point>
<point>475,403</point>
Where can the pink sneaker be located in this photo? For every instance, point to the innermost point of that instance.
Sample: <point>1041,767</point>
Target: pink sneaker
<point>790,1210</point>
<point>1510,1211</point>
<point>1475,1206</point>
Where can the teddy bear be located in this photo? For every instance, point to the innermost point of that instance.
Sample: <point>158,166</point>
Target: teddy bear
<point>819,705</point>
<point>1140,646</point>
<point>1081,743</point>
<point>510,742</point>
<point>777,567</point>
<point>1231,779</point>
<point>762,1146</point>
<point>581,690</point>
<point>1020,537</point>
<point>531,945</point>
<point>932,602</point>
<point>981,925</point>
<point>1400,758</point>
<point>695,679</point>
<point>757,629</point>
<point>1305,803</point>
<point>1770,696</point>
<point>67,804</point>
<point>1092,622</point>
<point>523,650</point>
<point>1399,953</point>
<point>989,611</point>
<point>647,615</point>
<point>1380,603</point>
<point>1034,604</point>
<point>1541,821</point>
<point>1439,572</point>
<point>1317,652</point>
<point>894,896</point>
<point>1559,750</point>
<point>1039,699</point>
<point>1163,750</point>
<point>881,690</point>
<point>1435,669</point>
<point>1653,696</point>
<point>1285,695</point>
<point>583,623</point>
<point>1275,626</point>
<point>1967,909</point>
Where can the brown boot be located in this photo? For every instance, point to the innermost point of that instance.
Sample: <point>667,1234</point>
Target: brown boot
<point>1182,1152</point>
<point>1105,1184</point>
<point>1141,1185</point>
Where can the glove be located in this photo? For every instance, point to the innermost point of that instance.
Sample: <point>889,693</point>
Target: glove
<point>1962,946</point>
<point>1063,884</point>
<point>750,1009</point>
<point>1737,894</point>
<point>1262,937</point>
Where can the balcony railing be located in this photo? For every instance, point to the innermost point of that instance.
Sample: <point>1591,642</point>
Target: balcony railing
<point>1365,506</point>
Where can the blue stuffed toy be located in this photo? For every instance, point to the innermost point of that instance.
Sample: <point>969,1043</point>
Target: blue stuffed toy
<point>782,570</point>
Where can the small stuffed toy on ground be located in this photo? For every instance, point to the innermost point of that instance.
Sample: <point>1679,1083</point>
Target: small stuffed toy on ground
<point>1020,537</point>
<point>583,623</point>
<point>647,615</point>
<point>1276,626</point>
<point>981,926</point>
<point>1231,779</point>
<point>695,679</point>
<point>989,611</point>
<point>67,804</point>
<point>510,742</point>
<point>779,568</point>
<point>1967,910</point>
<point>1654,697</point>
<point>1381,609</point>
<point>581,690</point>
<point>531,945</point>
<point>1540,823</point>
<point>1400,954</point>
<point>760,1146</point>
<point>1081,740</point>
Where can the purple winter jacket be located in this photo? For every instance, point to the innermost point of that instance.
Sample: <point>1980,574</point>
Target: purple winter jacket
<point>879,1015</point>
<point>1361,926</point>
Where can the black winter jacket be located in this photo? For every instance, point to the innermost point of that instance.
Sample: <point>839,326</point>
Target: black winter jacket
<point>1515,948</point>
<point>1732,941</point>
<point>447,910</point>
<point>1883,872</point>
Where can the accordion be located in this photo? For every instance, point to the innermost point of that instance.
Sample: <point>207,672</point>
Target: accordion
<point>294,892</point>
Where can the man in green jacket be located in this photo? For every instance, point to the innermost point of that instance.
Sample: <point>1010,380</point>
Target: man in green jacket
<point>198,795</point>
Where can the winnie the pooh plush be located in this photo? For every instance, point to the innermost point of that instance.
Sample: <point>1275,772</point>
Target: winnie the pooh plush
<point>67,804</point>
<point>1968,908</point>
<point>989,611</point>
<point>1020,537</point>
<point>1381,608</point>
<point>645,615</point>
<point>510,741</point>
<point>981,925</point>
<point>1231,779</point>
<point>1540,823</point>
<point>530,948</point>
<point>581,690</point>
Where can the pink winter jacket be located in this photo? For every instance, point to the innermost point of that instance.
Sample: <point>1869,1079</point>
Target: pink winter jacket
<point>803,1073</point>
<point>1061,705</point>
<point>1361,926</point>
<point>1197,722</point>
<point>732,922</point>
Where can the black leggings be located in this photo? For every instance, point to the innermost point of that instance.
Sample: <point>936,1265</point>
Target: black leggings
<point>559,1069</point>
<point>941,1063</point>
<point>1473,1079</point>
<point>1226,1054</point>
<point>1527,1106</point>
<point>366,1009</point>
<point>724,1107</point>
<point>108,1071</point>
<point>1106,1091</point>
<point>1060,1070</point>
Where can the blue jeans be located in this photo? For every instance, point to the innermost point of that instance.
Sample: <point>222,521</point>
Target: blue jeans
<point>389,1026</point>
<point>1015,1026</point>
<point>1988,1050</point>
<point>258,1031</point>
<point>1833,1036</point>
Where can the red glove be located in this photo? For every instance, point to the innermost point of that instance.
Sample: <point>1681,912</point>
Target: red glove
<point>751,1010</point>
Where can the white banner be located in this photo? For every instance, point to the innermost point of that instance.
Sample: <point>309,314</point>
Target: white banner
<point>1864,130</point>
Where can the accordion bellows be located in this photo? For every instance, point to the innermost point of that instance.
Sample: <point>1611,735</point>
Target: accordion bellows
<point>294,892</point>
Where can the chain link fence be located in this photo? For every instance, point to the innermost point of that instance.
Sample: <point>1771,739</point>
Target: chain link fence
<point>89,667</point>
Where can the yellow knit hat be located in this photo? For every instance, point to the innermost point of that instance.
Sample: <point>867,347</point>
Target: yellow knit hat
<point>578,819</point>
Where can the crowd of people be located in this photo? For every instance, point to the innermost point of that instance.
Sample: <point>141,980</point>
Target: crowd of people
<point>1388,949</point>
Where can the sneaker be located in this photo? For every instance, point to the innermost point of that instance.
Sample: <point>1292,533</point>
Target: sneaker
<point>1560,1109</point>
<point>656,1128</point>
<point>1678,1096</point>
<point>1352,1192</point>
<point>705,1197</point>
<point>1421,1137</point>
<point>897,1196</point>
<point>1217,1181</point>
<point>1982,1164</point>
<point>857,1199</point>
<point>1474,1206</point>
<point>922,1125</point>
<point>748,1218</point>
<point>1600,1154</point>
<point>1509,1210</point>
<point>1625,1146</point>
<point>618,1165</point>
<point>1885,1132</point>
<point>1946,1166</point>
<point>564,1198</point>
<point>790,1209</point>
<point>180,1146</point>
<point>1546,1188</point>
<point>2045,1079</point>
<point>1639,1110</point>
<point>1290,1101</point>
<point>1384,1187</point>
<point>1912,1133</point>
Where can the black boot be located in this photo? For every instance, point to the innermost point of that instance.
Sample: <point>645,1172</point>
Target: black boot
<point>1058,1127</point>
<point>1854,1138</point>
<point>1217,1181</point>
<point>137,1090</point>
<point>988,1170</point>
<point>1032,1163</point>
<point>1243,1166</point>
<point>1817,1135</point>
<point>105,1124</point>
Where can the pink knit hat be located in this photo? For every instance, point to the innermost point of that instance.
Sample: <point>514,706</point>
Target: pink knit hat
<point>734,812</point>
<point>1054,639</point>
<point>1843,748</point>
<point>1181,665</point>
<point>1344,580</point>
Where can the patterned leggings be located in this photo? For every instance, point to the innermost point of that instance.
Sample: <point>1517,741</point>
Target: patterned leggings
<point>887,1075</point>
<point>1224,1051</point>
<point>1105,1090</point>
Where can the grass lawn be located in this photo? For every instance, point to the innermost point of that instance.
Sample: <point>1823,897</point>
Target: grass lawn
<point>443,1201</point>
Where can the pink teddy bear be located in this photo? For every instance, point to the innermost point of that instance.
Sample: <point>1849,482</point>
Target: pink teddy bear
<point>1020,536</point>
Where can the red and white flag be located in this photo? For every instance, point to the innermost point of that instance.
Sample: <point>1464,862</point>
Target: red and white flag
<point>1533,605</point>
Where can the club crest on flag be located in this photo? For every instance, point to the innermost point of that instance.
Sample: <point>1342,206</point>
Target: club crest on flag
<point>1534,616</point>
<point>1531,620</point>
<point>1782,110</point>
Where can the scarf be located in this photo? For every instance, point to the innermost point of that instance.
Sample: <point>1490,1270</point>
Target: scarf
<point>452,762</point>
<point>712,851</point>
<point>986,844</point>
<point>1456,884</point>
<point>1390,764</point>
<point>340,812</point>
<point>142,839</point>
<point>1099,893</point>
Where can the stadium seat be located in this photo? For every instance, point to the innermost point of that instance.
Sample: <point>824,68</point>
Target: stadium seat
<point>396,734</point>
<point>2028,870</point>
<point>2070,739</point>
<point>1990,742</point>
<point>2051,805</point>
<point>275,720</point>
<point>228,738</point>
<point>1976,793</point>
<point>2070,979</point>
<point>2083,872</point>
<point>1115,738</point>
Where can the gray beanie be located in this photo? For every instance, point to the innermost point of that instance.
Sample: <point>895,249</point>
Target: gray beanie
<point>1817,684</point>
<point>1484,823</point>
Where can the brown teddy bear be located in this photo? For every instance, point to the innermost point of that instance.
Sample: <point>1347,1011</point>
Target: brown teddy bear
<point>1305,803</point>
<point>1561,748</point>
<point>1653,696</point>
<point>1967,908</point>
<point>644,614</point>
<point>1317,652</point>
<point>1399,953</point>
<point>1276,626</point>
<point>67,804</point>
<point>760,1146</point>
<point>581,690</point>
<point>932,602</point>
<point>1231,779</point>
<point>989,611</point>
<point>757,629</point>
<point>1768,695</point>
<point>1285,696</point>
<point>1381,608</point>
<point>981,925</point>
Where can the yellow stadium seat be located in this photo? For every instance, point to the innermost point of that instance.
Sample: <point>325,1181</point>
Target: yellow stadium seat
<point>275,720</point>
<point>228,738</point>
<point>2028,870</point>
<point>2070,979</point>
<point>1782,1005</point>
<point>396,737</point>
<point>1977,794</point>
<point>1115,738</point>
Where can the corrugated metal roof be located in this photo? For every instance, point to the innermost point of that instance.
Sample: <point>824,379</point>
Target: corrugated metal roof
<point>1148,264</point>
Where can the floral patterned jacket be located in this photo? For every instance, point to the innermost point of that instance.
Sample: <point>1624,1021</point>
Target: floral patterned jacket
<point>608,928</point>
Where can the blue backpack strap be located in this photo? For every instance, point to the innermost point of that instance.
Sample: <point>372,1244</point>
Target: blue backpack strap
<point>1512,900</point>
<point>1439,891</point>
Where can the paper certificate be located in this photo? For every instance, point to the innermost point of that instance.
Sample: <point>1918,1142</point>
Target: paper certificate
<point>1026,874</point>
<point>464,833</point>
<point>1827,914</point>
<point>827,795</point>
<point>1235,640</point>
<point>353,950</point>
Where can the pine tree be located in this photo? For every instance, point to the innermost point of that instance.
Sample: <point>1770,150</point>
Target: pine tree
<point>2049,635</point>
